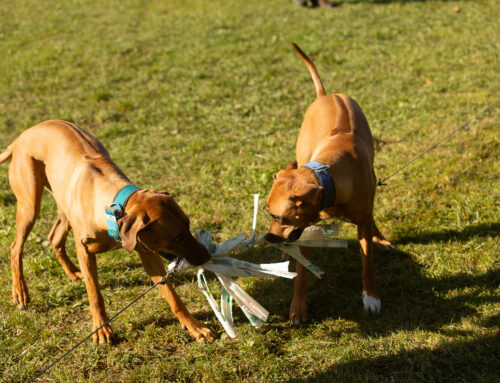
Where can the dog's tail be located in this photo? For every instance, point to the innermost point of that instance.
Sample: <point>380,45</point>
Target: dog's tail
<point>320,90</point>
<point>7,153</point>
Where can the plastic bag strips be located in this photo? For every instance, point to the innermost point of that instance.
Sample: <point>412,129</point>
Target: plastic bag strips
<point>313,236</point>
<point>225,268</point>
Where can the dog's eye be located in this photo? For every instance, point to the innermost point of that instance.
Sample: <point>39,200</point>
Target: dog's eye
<point>276,218</point>
<point>180,237</point>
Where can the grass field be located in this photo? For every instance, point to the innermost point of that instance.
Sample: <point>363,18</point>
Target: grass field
<point>205,99</point>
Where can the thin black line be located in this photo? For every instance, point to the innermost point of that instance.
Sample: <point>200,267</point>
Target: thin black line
<point>464,125</point>
<point>161,281</point>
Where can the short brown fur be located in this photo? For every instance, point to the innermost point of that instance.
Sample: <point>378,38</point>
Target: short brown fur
<point>78,171</point>
<point>334,132</point>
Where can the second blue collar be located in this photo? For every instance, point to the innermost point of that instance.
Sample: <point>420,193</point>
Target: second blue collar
<point>321,172</point>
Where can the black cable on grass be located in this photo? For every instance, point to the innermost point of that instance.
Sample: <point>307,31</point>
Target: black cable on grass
<point>160,282</point>
<point>381,182</point>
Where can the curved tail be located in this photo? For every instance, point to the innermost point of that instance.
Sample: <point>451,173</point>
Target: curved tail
<point>320,90</point>
<point>7,153</point>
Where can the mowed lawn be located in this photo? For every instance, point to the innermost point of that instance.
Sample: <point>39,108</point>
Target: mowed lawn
<point>204,99</point>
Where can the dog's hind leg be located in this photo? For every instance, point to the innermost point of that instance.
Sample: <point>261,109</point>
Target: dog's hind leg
<point>379,239</point>
<point>371,300</point>
<point>26,177</point>
<point>57,238</point>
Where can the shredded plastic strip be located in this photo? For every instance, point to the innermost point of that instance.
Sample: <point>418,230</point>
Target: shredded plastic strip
<point>226,268</point>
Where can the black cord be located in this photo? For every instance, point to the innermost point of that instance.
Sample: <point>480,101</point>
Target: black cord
<point>381,181</point>
<point>162,281</point>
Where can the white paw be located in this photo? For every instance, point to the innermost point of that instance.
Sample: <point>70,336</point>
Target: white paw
<point>371,303</point>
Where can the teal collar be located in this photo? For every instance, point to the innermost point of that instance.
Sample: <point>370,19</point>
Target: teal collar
<point>117,208</point>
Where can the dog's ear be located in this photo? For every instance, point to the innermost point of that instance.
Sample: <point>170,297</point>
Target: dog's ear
<point>129,226</point>
<point>306,192</point>
<point>292,165</point>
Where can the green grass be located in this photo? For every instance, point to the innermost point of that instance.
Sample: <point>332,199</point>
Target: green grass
<point>204,99</point>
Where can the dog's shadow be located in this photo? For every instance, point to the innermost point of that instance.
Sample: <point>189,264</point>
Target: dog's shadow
<point>458,361</point>
<point>410,299</point>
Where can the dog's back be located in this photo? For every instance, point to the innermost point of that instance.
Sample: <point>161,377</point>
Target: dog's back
<point>338,120</point>
<point>65,136</point>
<point>61,146</point>
<point>334,120</point>
<point>62,157</point>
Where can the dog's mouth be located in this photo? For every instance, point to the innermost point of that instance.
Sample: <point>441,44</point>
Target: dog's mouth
<point>292,237</point>
<point>167,256</point>
<point>195,256</point>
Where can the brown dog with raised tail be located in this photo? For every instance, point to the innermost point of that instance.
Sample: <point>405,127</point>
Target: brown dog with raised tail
<point>333,177</point>
<point>79,173</point>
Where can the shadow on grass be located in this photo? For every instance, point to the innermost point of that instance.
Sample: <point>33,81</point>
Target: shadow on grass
<point>472,361</point>
<point>410,300</point>
<point>473,231</point>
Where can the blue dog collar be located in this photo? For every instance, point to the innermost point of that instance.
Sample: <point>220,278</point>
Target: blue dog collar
<point>117,208</point>
<point>320,170</point>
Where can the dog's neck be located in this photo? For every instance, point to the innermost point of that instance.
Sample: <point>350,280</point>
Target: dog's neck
<point>322,175</point>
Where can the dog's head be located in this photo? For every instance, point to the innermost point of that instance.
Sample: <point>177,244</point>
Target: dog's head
<point>154,222</point>
<point>294,203</point>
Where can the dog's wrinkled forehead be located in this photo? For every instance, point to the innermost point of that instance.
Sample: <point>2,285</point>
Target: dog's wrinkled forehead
<point>160,206</point>
<point>294,198</point>
<point>280,201</point>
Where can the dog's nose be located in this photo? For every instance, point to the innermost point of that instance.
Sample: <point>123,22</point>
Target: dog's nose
<point>269,237</point>
<point>194,252</point>
<point>294,235</point>
<point>202,255</point>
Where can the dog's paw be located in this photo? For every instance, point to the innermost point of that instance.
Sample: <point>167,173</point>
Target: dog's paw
<point>298,312</point>
<point>75,276</point>
<point>383,243</point>
<point>198,330</point>
<point>371,303</point>
<point>20,295</point>
<point>104,335</point>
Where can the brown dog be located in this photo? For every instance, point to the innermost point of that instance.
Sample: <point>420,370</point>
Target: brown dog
<point>79,172</point>
<point>334,133</point>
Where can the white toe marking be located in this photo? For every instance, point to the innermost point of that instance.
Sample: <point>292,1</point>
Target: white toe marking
<point>371,303</point>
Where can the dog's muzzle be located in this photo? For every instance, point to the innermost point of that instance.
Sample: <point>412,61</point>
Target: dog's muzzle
<point>167,256</point>
<point>201,255</point>
<point>293,236</point>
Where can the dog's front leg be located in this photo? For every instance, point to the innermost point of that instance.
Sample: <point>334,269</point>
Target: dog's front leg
<point>371,299</point>
<point>153,265</point>
<point>88,265</point>
<point>298,308</point>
